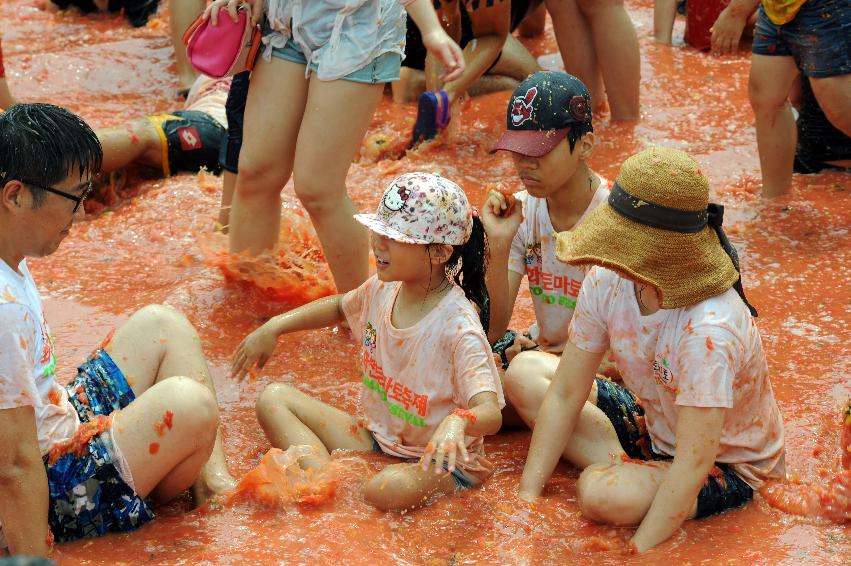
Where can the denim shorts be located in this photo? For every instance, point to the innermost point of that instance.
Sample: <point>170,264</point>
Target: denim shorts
<point>88,497</point>
<point>723,488</point>
<point>819,38</point>
<point>382,69</point>
<point>461,479</point>
<point>190,141</point>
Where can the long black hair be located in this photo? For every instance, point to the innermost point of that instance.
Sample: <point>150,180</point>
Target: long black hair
<point>467,267</point>
<point>44,144</point>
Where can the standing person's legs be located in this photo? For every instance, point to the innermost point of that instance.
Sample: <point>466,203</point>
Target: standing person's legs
<point>618,54</point>
<point>336,117</point>
<point>182,13</point>
<point>771,78</point>
<point>155,345</point>
<point>576,44</point>
<point>231,144</point>
<point>273,115</point>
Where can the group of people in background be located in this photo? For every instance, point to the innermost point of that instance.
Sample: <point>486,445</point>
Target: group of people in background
<point>655,385</point>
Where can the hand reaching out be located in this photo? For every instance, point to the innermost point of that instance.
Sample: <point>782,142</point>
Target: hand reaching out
<point>447,443</point>
<point>447,52</point>
<point>255,349</point>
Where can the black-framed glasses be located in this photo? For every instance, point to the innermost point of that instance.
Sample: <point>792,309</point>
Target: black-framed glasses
<point>77,199</point>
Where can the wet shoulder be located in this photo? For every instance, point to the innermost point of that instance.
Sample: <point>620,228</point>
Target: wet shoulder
<point>726,311</point>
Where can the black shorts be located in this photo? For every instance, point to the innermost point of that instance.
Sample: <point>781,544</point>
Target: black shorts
<point>819,141</point>
<point>723,489</point>
<point>191,141</point>
<point>819,38</point>
<point>235,109</point>
<point>136,11</point>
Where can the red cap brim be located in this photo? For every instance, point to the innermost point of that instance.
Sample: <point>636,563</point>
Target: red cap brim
<point>534,143</point>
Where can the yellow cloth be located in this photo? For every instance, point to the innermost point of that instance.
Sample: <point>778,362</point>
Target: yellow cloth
<point>782,11</point>
<point>157,122</point>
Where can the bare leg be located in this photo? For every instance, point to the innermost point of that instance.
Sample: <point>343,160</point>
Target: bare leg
<point>618,54</point>
<point>183,13</point>
<point>321,165</point>
<point>526,381</point>
<point>834,97</point>
<point>155,344</point>
<point>134,142</point>
<point>6,98</point>
<point>664,14</point>
<point>515,61</point>
<point>406,486</point>
<point>621,494</point>
<point>576,44</point>
<point>771,78</point>
<point>167,462</point>
<point>228,185</point>
<point>290,417</point>
<point>533,24</point>
<point>273,115</point>
<point>411,84</point>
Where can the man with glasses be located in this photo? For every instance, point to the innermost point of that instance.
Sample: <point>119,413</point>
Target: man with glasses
<point>83,459</point>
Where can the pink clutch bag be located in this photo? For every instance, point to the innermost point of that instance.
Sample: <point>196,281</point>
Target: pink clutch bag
<point>224,49</point>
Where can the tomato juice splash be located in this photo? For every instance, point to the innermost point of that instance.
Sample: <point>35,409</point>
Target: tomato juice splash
<point>147,248</point>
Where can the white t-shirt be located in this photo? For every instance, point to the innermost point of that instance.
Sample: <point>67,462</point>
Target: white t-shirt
<point>414,377</point>
<point>209,95</point>
<point>27,363</point>
<point>704,355</point>
<point>554,285</point>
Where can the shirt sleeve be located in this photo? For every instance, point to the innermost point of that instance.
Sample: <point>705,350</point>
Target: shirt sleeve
<point>475,371</point>
<point>588,329</point>
<point>354,306</point>
<point>706,362</point>
<point>17,344</point>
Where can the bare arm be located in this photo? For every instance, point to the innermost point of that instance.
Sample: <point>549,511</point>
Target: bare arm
<point>258,346</point>
<point>698,435</point>
<point>557,417</point>
<point>435,39</point>
<point>727,30</point>
<point>490,26</point>
<point>23,484</point>
<point>501,224</point>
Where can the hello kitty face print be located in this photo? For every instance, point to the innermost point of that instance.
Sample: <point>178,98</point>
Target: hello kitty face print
<point>421,208</point>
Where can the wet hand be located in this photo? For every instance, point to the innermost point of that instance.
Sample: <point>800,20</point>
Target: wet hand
<point>521,344</point>
<point>256,349</point>
<point>446,444</point>
<point>726,32</point>
<point>255,8</point>
<point>501,216</point>
<point>447,52</point>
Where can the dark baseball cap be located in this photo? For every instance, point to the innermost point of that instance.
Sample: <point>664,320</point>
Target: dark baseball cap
<point>542,111</point>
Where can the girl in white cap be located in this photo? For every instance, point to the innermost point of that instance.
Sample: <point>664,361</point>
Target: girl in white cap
<point>430,386</point>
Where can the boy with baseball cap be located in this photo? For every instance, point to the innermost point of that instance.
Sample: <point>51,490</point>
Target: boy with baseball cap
<point>550,136</point>
<point>665,297</point>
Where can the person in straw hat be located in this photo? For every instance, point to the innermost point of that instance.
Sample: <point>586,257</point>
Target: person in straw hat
<point>665,295</point>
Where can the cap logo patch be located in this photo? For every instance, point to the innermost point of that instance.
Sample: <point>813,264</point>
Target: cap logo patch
<point>394,199</point>
<point>578,108</point>
<point>521,109</point>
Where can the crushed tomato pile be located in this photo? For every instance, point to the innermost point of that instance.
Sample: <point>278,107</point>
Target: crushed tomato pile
<point>150,240</point>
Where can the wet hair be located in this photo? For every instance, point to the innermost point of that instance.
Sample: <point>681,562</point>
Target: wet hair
<point>467,267</point>
<point>44,144</point>
<point>576,133</point>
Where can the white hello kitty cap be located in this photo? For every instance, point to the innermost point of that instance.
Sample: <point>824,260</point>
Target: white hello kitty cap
<point>421,208</point>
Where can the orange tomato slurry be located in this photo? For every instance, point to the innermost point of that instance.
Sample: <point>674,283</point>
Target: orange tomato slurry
<point>794,258</point>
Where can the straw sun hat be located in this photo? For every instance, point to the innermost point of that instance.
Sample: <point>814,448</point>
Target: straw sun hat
<point>659,228</point>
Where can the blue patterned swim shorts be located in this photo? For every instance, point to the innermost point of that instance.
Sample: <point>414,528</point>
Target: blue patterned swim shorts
<point>88,497</point>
